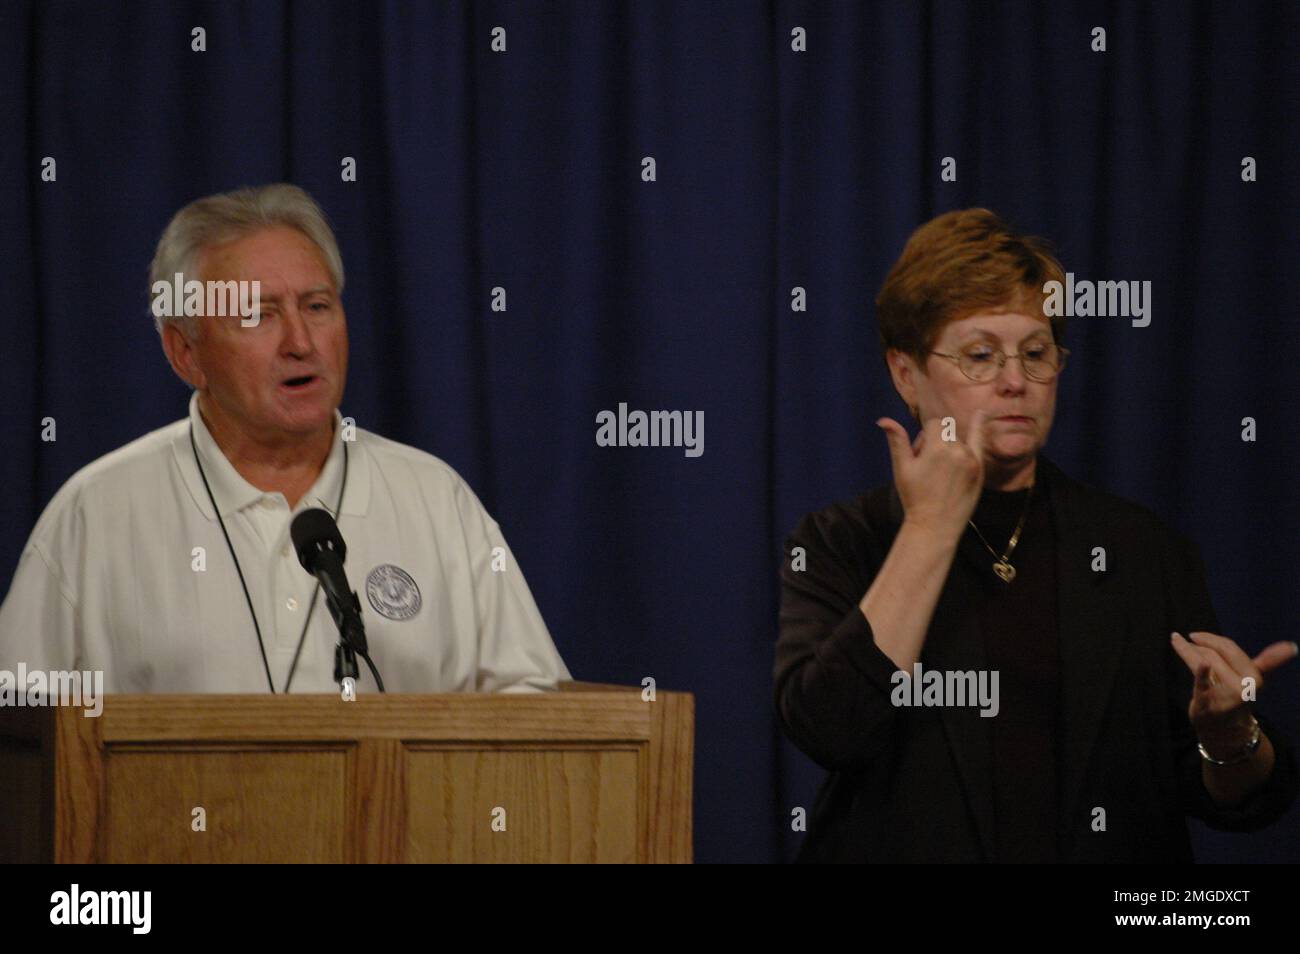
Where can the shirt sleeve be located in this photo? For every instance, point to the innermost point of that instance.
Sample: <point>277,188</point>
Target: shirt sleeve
<point>516,652</point>
<point>39,621</point>
<point>832,682</point>
<point>1191,610</point>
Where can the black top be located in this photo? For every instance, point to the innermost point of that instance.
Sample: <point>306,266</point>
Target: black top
<point>1101,769</point>
<point>1018,623</point>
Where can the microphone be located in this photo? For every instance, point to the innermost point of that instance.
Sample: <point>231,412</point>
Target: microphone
<point>321,551</point>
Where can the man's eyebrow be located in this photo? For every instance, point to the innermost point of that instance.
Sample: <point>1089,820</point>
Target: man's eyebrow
<point>315,290</point>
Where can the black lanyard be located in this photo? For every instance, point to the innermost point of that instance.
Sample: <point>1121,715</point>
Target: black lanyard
<point>311,606</point>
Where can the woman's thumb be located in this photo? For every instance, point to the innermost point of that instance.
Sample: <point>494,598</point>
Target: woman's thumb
<point>899,446</point>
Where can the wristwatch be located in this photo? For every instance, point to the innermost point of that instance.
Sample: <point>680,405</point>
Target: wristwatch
<point>1246,751</point>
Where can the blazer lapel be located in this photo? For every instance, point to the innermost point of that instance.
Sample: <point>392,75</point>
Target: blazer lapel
<point>1093,626</point>
<point>954,643</point>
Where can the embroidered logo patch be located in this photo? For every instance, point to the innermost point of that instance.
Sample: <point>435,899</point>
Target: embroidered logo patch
<point>392,592</point>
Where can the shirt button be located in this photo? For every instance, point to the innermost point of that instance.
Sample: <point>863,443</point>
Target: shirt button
<point>291,603</point>
<point>284,550</point>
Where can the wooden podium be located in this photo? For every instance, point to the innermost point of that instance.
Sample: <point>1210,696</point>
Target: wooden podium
<point>588,774</point>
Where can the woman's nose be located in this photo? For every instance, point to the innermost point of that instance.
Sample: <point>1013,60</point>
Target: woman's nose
<point>1011,374</point>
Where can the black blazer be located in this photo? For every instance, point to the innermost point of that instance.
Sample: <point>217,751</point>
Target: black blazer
<point>915,784</point>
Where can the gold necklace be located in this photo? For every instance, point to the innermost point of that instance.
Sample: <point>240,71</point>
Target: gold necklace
<point>1001,567</point>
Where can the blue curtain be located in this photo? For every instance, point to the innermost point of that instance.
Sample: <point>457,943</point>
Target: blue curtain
<point>774,168</point>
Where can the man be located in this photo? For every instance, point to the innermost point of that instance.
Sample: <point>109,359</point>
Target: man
<point>168,563</point>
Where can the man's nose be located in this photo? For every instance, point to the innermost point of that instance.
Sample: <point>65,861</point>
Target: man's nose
<point>297,339</point>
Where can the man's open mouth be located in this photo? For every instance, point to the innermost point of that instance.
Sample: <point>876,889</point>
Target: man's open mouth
<point>302,382</point>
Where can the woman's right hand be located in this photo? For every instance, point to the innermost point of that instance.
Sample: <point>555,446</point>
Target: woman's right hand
<point>938,481</point>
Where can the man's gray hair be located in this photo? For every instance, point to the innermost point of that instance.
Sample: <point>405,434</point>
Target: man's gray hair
<point>217,219</point>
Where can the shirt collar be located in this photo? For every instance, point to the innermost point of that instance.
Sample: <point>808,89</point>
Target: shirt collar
<point>233,493</point>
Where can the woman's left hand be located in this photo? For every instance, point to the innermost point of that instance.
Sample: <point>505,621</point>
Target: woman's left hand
<point>1219,708</point>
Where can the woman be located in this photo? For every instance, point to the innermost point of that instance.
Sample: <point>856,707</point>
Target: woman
<point>1083,620</point>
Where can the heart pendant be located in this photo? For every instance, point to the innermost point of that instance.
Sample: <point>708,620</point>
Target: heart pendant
<point>1004,570</point>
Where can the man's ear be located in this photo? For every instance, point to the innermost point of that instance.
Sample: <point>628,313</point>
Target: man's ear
<point>180,351</point>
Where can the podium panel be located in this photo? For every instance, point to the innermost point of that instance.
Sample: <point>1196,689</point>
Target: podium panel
<point>258,806</point>
<point>521,805</point>
<point>588,774</point>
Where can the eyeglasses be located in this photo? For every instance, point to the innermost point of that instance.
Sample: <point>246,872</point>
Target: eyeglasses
<point>1042,362</point>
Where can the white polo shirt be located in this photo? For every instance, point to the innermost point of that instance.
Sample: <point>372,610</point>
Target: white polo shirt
<point>127,572</point>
